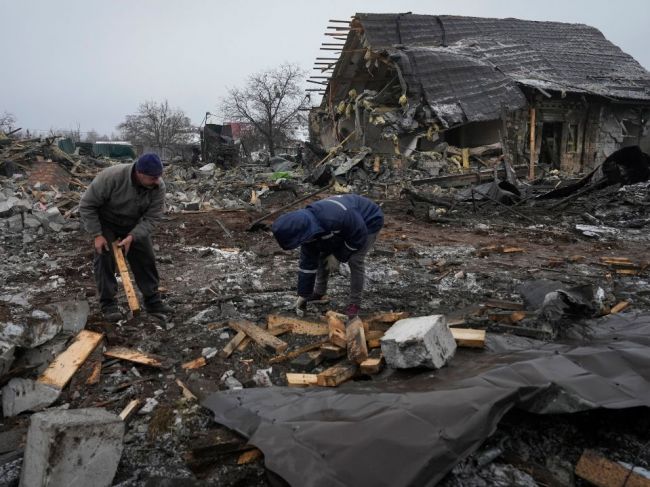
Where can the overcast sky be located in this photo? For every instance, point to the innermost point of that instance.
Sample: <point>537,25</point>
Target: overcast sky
<point>91,62</point>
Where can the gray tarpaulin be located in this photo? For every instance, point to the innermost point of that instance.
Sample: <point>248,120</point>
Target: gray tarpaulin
<point>412,432</point>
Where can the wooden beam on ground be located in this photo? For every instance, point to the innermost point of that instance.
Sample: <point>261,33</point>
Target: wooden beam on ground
<point>260,336</point>
<point>138,357</point>
<point>373,338</point>
<point>64,366</point>
<point>301,380</point>
<point>197,363</point>
<point>337,374</point>
<point>307,361</point>
<point>187,394</point>
<point>620,307</point>
<point>134,304</point>
<point>301,327</point>
<point>469,337</point>
<point>130,409</point>
<point>356,341</point>
<point>278,330</point>
<point>331,351</point>
<point>336,325</point>
<point>232,344</point>
<point>372,365</point>
<point>295,353</point>
<point>602,472</point>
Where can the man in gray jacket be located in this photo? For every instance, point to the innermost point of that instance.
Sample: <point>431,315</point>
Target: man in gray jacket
<point>123,203</point>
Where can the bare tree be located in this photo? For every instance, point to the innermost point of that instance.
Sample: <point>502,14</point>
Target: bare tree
<point>7,121</point>
<point>156,125</point>
<point>271,101</point>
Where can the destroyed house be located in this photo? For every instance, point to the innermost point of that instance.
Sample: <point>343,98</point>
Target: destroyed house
<point>407,82</point>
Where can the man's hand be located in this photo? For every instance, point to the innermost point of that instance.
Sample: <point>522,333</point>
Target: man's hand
<point>331,264</point>
<point>300,306</point>
<point>101,244</point>
<point>125,243</point>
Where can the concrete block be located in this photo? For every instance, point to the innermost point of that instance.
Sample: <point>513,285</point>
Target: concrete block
<point>75,448</point>
<point>425,341</point>
<point>6,356</point>
<point>37,329</point>
<point>26,395</point>
<point>38,358</point>
<point>74,314</point>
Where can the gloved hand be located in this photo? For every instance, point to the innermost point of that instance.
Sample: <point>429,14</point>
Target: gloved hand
<point>331,264</point>
<point>300,306</point>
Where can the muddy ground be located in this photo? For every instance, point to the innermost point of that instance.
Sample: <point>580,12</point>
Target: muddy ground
<point>417,266</point>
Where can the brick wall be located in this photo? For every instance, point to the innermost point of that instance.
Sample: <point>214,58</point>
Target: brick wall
<point>50,173</point>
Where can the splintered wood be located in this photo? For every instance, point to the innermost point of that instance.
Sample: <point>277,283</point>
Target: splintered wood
<point>135,356</point>
<point>262,337</point>
<point>602,472</point>
<point>194,364</point>
<point>134,304</point>
<point>61,370</point>
<point>301,327</point>
<point>337,374</point>
<point>130,409</point>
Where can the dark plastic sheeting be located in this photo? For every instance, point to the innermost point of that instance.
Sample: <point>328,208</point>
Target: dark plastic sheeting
<point>413,432</point>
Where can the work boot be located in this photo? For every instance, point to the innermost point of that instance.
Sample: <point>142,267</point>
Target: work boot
<point>318,299</point>
<point>111,313</point>
<point>352,310</point>
<point>159,308</point>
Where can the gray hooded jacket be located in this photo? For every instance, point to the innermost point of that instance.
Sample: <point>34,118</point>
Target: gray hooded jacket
<point>113,198</point>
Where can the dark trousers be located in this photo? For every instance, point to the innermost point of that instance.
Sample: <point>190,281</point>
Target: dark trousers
<point>142,262</point>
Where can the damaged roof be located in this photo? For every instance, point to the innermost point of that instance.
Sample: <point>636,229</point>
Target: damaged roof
<point>470,68</point>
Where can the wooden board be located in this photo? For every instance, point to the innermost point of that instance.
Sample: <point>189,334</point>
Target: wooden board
<point>602,472</point>
<point>373,338</point>
<point>136,356</point>
<point>197,363</point>
<point>64,366</point>
<point>301,327</point>
<point>620,307</point>
<point>134,304</point>
<point>130,409</point>
<point>301,380</point>
<point>372,365</point>
<point>296,353</point>
<point>336,328</point>
<point>232,344</point>
<point>307,361</point>
<point>277,330</point>
<point>337,374</point>
<point>386,317</point>
<point>331,351</point>
<point>260,336</point>
<point>356,341</point>
<point>469,337</point>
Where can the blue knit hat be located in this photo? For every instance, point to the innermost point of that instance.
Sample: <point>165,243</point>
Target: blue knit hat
<point>149,164</point>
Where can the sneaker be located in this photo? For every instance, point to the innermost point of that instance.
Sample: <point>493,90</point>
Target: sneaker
<point>112,313</point>
<point>352,310</point>
<point>159,308</point>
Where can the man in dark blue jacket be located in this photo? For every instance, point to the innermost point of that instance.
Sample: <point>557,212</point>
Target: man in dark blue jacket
<point>329,231</point>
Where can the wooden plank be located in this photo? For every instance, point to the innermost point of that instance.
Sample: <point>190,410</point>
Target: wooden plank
<point>602,472</point>
<point>136,356</point>
<point>469,337</point>
<point>337,374</point>
<point>187,394</point>
<point>307,361</point>
<point>620,307</point>
<point>372,365</point>
<point>96,373</point>
<point>356,341</point>
<point>295,353</point>
<point>336,325</point>
<point>197,363</point>
<point>249,456</point>
<point>134,304</point>
<point>387,317</point>
<point>277,330</point>
<point>64,366</point>
<point>373,338</point>
<point>301,380</point>
<point>260,336</point>
<point>130,409</point>
<point>301,327</point>
<point>331,351</point>
<point>232,344</point>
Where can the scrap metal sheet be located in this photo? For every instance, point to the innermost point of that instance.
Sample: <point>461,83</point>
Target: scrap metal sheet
<point>413,432</point>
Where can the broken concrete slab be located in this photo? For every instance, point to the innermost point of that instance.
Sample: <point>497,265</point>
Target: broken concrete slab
<point>38,358</point>
<point>425,341</point>
<point>74,314</point>
<point>6,356</point>
<point>37,329</point>
<point>26,395</point>
<point>77,447</point>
